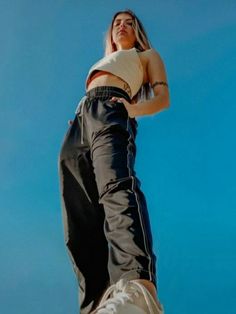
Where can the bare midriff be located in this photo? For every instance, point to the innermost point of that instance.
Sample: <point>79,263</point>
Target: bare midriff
<point>102,78</point>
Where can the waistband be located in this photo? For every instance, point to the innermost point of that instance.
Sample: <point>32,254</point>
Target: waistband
<point>104,92</point>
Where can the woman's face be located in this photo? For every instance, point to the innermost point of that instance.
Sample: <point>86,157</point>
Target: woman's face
<point>122,31</point>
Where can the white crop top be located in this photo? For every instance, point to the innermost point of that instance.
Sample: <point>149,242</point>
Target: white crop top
<point>125,64</point>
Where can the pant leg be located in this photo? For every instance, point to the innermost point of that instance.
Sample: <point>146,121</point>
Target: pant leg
<point>83,218</point>
<point>111,136</point>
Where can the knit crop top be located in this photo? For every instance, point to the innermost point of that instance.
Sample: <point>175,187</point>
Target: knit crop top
<point>125,64</point>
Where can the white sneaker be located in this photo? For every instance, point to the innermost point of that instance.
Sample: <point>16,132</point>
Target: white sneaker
<point>128,298</point>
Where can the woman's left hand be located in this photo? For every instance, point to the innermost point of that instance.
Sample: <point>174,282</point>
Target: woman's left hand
<point>131,108</point>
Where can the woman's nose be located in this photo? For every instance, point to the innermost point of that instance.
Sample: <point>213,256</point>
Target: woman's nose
<point>122,25</point>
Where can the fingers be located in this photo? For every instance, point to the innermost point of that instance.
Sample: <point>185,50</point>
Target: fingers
<point>122,100</point>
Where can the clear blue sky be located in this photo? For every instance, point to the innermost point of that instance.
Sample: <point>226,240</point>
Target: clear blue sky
<point>185,160</point>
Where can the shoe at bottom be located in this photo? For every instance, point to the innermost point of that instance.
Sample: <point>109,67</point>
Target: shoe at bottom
<point>128,298</point>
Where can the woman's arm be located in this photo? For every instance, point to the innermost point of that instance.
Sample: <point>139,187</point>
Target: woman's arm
<point>158,80</point>
<point>157,77</point>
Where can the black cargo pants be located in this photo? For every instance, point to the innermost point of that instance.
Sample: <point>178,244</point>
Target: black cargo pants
<point>105,218</point>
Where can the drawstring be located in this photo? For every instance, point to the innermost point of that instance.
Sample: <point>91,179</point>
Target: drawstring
<point>80,111</point>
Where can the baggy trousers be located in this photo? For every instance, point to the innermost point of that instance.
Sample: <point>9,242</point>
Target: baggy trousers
<point>105,218</point>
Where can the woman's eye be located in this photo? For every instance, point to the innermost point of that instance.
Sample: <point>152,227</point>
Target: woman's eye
<point>127,23</point>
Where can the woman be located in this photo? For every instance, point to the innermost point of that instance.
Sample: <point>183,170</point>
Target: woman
<point>106,223</point>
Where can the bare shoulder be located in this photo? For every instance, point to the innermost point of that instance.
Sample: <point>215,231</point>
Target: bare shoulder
<point>150,53</point>
<point>153,55</point>
<point>151,60</point>
<point>155,70</point>
<point>153,64</point>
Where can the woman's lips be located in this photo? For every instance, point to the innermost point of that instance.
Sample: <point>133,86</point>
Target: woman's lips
<point>122,32</point>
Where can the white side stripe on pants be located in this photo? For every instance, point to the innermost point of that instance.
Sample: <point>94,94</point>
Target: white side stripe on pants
<point>140,215</point>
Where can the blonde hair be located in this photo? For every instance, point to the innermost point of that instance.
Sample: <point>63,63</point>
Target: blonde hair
<point>142,43</point>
